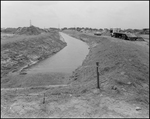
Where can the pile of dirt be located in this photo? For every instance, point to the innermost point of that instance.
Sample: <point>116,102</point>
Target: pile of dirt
<point>32,30</point>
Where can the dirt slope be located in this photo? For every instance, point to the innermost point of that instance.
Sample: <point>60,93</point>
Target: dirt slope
<point>22,50</point>
<point>124,67</point>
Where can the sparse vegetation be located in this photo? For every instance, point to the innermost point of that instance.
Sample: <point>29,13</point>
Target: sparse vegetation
<point>121,62</point>
<point>124,79</point>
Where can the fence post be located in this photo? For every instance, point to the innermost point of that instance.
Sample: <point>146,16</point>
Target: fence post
<point>97,63</point>
<point>44,99</point>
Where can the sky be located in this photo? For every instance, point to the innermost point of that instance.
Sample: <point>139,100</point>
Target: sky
<point>59,14</point>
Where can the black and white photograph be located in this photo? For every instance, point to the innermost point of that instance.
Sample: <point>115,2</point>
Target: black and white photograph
<point>74,59</point>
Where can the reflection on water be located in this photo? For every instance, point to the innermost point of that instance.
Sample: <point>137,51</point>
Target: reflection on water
<point>65,61</point>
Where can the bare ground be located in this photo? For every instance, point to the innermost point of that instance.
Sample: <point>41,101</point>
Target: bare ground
<point>66,102</point>
<point>124,79</point>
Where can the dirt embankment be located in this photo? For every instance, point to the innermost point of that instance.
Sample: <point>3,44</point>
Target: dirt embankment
<point>123,67</point>
<point>23,51</point>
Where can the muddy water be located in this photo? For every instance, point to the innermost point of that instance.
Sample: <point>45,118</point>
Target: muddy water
<point>66,60</point>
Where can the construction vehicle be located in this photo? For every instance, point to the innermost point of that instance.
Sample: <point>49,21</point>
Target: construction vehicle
<point>114,30</point>
<point>122,35</point>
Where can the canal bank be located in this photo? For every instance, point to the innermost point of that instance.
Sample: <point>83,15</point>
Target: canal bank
<point>123,68</point>
<point>22,50</point>
<point>53,70</point>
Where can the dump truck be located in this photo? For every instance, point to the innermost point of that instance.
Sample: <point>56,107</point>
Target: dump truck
<point>125,36</point>
<point>114,30</point>
<point>122,35</point>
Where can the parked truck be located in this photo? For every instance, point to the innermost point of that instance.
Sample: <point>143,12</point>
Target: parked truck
<point>116,32</point>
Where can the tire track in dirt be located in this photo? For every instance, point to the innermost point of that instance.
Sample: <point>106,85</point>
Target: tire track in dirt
<point>49,86</point>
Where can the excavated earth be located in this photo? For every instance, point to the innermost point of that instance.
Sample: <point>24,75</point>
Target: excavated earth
<point>124,85</point>
<point>22,51</point>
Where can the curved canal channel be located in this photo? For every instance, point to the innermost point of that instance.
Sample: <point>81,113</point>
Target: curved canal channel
<point>54,70</point>
<point>66,60</point>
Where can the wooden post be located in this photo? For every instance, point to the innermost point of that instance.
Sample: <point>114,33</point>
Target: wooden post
<point>44,99</point>
<point>97,63</point>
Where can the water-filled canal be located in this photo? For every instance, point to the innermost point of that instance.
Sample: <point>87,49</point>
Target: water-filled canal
<point>66,60</point>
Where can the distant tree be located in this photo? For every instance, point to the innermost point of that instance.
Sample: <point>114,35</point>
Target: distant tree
<point>106,29</point>
<point>78,29</point>
<point>86,28</point>
<point>65,28</point>
<point>146,30</point>
<point>95,29</point>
